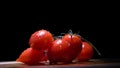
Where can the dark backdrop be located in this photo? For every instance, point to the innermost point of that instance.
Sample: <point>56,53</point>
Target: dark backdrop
<point>99,28</point>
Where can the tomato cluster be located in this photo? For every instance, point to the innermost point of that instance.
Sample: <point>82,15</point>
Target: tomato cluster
<point>44,47</point>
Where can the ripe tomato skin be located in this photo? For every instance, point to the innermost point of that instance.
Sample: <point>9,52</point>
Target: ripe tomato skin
<point>74,40</point>
<point>62,51</point>
<point>45,58</point>
<point>30,56</point>
<point>41,39</point>
<point>86,53</point>
<point>75,43</point>
<point>59,51</point>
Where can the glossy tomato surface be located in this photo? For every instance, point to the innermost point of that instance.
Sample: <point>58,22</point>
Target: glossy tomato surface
<point>86,53</point>
<point>30,56</point>
<point>75,43</point>
<point>45,58</point>
<point>74,40</point>
<point>41,39</point>
<point>59,51</point>
<point>65,49</point>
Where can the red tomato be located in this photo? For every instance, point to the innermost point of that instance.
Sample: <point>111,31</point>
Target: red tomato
<point>74,40</point>
<point>65,49</point>
<point>45,58</point>
<point>86,53</point>
<point>41,39</point>
<point>75,43</point>
<point>59,51</point>
<point>31,56</point>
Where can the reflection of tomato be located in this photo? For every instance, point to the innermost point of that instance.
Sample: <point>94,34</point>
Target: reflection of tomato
<point>86,53</point>
<point>41,39</point>
<point>31,56</point>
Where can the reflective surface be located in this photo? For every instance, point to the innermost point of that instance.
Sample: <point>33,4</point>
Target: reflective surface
<point>93,63</point>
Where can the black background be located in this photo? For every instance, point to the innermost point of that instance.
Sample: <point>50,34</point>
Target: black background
<point>97,26</point>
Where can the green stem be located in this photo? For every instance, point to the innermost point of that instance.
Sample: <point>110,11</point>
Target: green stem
<point>98,52</point>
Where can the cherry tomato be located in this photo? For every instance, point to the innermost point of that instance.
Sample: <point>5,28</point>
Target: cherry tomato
<point>86,53</point>
<point>74,40</point>
<point>65,49</point>
<point>75,43</point>
<point>30,56</point>
<point>41,39</point>
<point>59,51</point>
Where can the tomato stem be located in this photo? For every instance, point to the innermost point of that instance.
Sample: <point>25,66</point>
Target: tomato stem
<point>70,32</point>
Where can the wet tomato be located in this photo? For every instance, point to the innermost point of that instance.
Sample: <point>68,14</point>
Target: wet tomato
<point>86,53</point>
<point>41,39</point>
<point>30,56</point>
<point>65,49</point>
<point>59,51</point>
<point>75,43</point>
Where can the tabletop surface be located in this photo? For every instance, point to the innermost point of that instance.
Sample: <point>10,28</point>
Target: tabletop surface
<point>93,63</point>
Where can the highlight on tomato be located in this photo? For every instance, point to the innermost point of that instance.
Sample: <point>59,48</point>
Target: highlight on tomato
<point>41,39</point>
